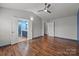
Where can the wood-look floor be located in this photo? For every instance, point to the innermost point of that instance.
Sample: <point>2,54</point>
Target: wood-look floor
<point>43,46</point>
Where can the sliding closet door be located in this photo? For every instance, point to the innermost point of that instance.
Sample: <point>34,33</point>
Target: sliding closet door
<point>14,31</point>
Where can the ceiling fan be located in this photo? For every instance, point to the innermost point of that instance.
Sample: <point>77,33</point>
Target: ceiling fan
<point>46,8</point>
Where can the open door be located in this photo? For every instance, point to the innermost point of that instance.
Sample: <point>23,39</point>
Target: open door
<point>14,31</point>
<point>15,34</point>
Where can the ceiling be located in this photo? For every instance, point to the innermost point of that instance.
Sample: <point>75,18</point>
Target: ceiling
<point>58,9</point>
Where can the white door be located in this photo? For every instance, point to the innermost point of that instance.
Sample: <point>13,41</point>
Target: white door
<point>14,31</point>
<point>50,29</point>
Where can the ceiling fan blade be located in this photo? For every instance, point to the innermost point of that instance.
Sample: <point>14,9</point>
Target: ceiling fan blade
<point>40,10</point>
<point>45,6</point>
<point>48,5</point>
<point>45,3</point>
<point>48,11</point>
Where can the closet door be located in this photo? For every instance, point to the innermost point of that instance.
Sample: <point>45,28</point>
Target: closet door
<point>14,31</point>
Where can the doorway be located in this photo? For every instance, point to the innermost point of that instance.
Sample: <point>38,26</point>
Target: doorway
<point>22,29</point>
<point>49,29</point>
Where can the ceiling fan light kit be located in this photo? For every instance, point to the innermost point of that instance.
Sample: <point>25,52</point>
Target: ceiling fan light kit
<point>45,10</point>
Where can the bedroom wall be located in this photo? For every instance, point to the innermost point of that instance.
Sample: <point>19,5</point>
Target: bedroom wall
<point>37,27</point>
<point>65,27</point>
<point>7,16</point>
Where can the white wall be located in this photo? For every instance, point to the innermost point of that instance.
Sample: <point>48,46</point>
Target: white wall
<point>65,27</point>
<point>4,31</point>
<point>6,17</point>
<point>37,27</point>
